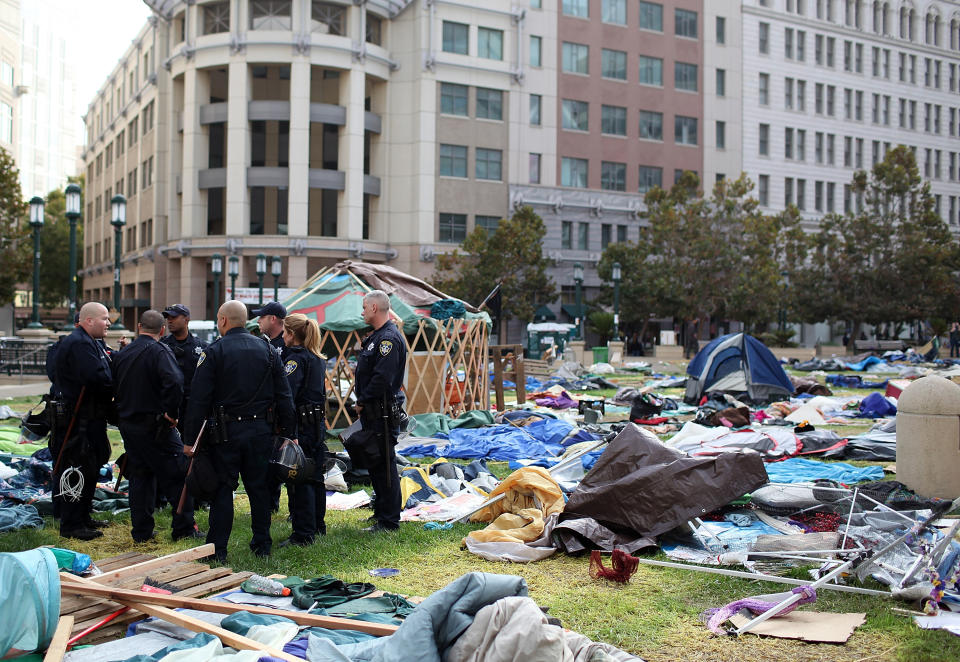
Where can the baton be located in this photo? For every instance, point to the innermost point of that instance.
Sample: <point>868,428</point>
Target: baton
<point>386,440</point>
<point>183,492</point>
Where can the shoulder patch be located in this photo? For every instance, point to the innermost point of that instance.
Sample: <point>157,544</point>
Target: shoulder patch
<point>290,366</point>
<point>203,355</point>
<point>385,347</point>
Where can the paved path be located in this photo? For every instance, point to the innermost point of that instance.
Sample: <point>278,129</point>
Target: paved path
<point>10,387</point>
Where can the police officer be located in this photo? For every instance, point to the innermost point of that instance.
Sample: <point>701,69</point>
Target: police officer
<point>240,382</point>
<point>82,380</point>
<point>380,367</point>
<point>148,388</point>
<point>270,320</point>
<point>306,370</point>
<point>186,349</point>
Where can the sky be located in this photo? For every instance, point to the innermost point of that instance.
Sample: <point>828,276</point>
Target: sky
<point>104,30</point>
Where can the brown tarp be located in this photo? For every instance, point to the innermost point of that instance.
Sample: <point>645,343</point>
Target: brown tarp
<point>410,289</point>
<point>639,489</point>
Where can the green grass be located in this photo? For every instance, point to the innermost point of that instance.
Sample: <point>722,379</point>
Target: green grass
<point>656,616</point>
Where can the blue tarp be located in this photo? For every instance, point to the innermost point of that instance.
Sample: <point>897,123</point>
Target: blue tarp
<point>800,470</point>
<point>866,363</point>
<point>502,442</point>
<point>29,601</point>
<point>876,405</point>
<point>854,381</point>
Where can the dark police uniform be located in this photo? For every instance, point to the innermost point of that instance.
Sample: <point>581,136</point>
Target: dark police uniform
<point>306,373</point>
<point>273,482</point>
<point>186,352</point>
<point>80,364</point>
<point>147,385</point>
<point>242,375</point>
<point>380,366</point>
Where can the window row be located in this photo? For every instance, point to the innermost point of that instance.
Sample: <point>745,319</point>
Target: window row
<point>577,235</point>
<point>453,160</point>
<point>613,175</point>
<point>575,59</point>
<point>325,18</point>
<point>650,16</point>
<point>456,39</point>
<point>453,227</point>
<point>115,148</point>
<point>575,116</point>
<point>455,100</point>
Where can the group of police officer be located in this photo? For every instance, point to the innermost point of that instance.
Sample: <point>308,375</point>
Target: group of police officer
<point>229,401</point>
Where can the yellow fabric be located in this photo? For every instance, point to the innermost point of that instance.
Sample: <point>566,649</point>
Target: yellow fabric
<point>531,494</point>
<point>410,486</point>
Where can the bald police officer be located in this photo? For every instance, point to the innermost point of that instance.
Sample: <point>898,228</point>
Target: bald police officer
<point>379,378</point>
<point>240,382</point>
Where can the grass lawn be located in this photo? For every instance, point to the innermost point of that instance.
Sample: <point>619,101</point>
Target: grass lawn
<point>656,616</point>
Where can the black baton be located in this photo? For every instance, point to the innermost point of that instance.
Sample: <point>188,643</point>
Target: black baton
<point>386,440</point>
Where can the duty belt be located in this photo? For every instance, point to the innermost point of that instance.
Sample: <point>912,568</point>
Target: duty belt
<point>247,417</point>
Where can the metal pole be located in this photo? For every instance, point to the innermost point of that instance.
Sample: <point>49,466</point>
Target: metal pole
<point>35,324</point>
<point>72,218</point>
<point>260,279</point>
<point>579,309</point>
<point>616,309</point>
<point>233,286</point>
<point>117,247</point>
<point>216,292</point>
<point>276,288</point>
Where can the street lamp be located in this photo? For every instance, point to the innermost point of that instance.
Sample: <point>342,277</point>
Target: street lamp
<point>36,222</point>
<point>118,204</point>
<point>578,281</point>
<point>275,267</point>
<point>72,195</point>
<point>261,272</point>
<point>216,266</point>
<point>234,269</point>
<point>615,275</point>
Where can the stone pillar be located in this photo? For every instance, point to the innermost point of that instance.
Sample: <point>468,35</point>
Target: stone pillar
<point>350,157</point>
<point>577,347</point>
<point>238,149</point>
<point>299,168</point>
<point>615,353</point>
<point>196,91</point>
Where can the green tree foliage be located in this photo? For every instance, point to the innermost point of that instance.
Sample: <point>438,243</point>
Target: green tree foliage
<point>511,255</point>
<point>55,251</point>
<point>601,323</point>
<point>15,246</point>
<point>895,260</point>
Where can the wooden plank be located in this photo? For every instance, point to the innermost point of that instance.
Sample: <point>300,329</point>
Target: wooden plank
<point>146,566</point>
<point>199,578</point>
<point>178,571</point>
<point>58,645</point>
<point>122,561</point>
<point>217,585</point>
<point>221,607</point>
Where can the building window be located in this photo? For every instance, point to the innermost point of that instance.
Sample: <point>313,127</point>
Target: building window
<point>573,172</point>
<point>453,228</point>
<point>374,30</point>
<point>788,143</point>
<point>606,231</point>
<point>576,58</point>
<point>685,130</point>
<point>651,125</point>
<point>787,191</point>
<point>536,51</point>
<point>574,115</point>
<point>721,82</point>
<point>614,11</point>
<point>147,116</point>
<point>613,64</point>
<point>270,15</point>
<point>489,164</point>
<point>456,37</point>
<point>453,160</point>
<point>216,17</point>
<point>490,43</point>
<point>583,236</point>
<point>763,41</point>
<point>721,30</point>
<point>566,235</point>
<point>579,8</point>
<point>651,71</point>
<point>721,135</point>
<point>534,168</point>
<point>489,104</point>
<point>453,99</point>
<point>535,103</point>
<point>685,23</point>
<point>613,176</point>
<point>651,16</point>
<point>328,18</point>
<point>685,76</point>
<point>488,223</point>
<point>650,177</point>
<point>763,190</point>
<point>763,147</point>
<point>764,90</point>
<point>613,120</point>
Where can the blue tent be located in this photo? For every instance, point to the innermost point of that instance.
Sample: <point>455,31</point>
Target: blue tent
<point>737,363</point>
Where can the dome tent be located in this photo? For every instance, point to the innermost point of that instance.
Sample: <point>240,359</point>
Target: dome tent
<point>739,364</point>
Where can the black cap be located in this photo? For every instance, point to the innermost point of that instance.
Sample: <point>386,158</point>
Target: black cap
<point>272,308</point>
<point>176,310</point>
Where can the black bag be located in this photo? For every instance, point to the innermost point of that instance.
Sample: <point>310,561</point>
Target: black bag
<point>203,480</point>
<point>365,448</point>
<point>645,406</point>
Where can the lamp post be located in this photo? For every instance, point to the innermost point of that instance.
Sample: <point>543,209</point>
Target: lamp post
<point>578,281</point>
<point>72,196</point>
<point>36,222</point>
<point>216,267</point>
<point>118,204</point>
<point>785,277</point>
<point>234,269</point>
<point>261,272</point>
<point>616,299</point>
<point>276,265</point>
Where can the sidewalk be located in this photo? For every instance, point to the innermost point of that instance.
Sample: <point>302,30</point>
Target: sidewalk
<point>11,387</point>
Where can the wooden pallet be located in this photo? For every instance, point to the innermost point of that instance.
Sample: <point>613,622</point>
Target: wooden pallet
<point>193,580</point>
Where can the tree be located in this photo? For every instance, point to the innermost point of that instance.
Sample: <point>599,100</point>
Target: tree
<point>15,247</point>
<point>512,255</point>
<point>55,250</point>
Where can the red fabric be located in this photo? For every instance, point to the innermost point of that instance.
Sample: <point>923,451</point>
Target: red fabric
<point>651,421</point>
<point>622,566</point>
